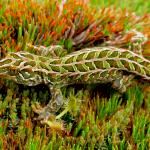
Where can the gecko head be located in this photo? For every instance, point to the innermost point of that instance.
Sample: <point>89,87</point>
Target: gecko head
<point>19,67</point>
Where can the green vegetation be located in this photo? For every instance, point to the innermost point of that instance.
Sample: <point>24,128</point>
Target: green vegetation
<point>138,6</point>
<point>99,119</point>
<point>113,123</point>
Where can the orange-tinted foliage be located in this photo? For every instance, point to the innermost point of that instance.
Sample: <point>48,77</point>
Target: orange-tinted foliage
<point>45,23</point>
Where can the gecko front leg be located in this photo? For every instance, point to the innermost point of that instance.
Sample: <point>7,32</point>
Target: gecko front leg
<point>52,107</point>
<point>121,84</point>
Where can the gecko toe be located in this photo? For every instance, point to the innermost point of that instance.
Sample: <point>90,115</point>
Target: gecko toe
<point>44,115</point>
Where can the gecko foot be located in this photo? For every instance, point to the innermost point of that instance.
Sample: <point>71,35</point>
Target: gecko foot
<point>44,114</point>
<point>45,117</point>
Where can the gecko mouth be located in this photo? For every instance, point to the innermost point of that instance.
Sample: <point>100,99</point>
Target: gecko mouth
<point>3,72</point>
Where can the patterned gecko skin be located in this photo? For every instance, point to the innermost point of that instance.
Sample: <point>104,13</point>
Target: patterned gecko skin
<point>89,65</point>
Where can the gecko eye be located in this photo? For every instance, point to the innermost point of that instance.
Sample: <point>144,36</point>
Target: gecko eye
<point>25,74</point>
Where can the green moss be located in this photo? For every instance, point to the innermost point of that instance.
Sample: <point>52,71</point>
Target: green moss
<point>90,122</point>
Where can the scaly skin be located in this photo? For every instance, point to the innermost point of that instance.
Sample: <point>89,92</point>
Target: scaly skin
<point>89,65</point>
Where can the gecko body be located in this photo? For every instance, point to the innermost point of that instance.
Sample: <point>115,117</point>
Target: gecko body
<point>89,65</point>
